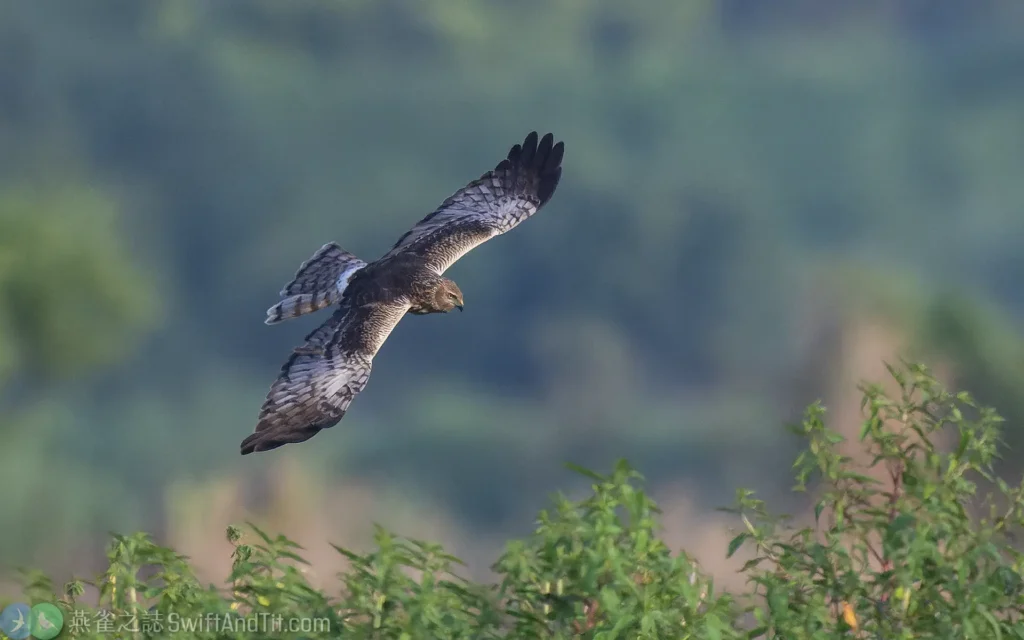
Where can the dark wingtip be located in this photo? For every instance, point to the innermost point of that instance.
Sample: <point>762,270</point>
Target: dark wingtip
<point>270,438</point>
<point>542,160</point>
<point>529,149</point>
<point>250,443</point>
<point>259,441</point>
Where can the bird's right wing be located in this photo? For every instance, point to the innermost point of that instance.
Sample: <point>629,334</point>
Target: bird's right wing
<point>321,378</point>
<point>318,283</point>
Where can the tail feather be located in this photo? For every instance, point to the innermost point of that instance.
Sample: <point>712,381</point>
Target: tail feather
<point>319,283</point>
<point>301,304</point>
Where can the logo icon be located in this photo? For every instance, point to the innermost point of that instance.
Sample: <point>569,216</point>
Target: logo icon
<point>47,621</point>
<point>15,621</point>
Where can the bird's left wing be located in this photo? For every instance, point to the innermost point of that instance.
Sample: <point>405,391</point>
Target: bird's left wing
<point>491,205</point>
<point>321,378</point>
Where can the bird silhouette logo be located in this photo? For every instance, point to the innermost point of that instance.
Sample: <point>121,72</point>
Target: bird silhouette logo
<point>14,621</point>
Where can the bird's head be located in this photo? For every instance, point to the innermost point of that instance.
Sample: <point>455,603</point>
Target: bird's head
<point>447,296</point>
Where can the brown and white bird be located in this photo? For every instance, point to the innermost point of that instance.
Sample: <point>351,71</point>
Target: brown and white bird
<point>318,382</point>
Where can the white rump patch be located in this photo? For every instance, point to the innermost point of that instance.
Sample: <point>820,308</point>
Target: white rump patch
<point>347,274</point>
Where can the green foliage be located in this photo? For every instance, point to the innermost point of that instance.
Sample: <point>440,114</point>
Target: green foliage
<point>900,557</point>
<point>597,566</point>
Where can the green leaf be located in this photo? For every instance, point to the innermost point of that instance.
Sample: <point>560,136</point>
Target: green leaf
<point>996,627</point>
<point>736,543</point>
<point>609,600</point>
<point>778,601</point>
<point>584,472</point>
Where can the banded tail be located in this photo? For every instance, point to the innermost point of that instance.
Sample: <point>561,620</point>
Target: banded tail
<point>318,283</point>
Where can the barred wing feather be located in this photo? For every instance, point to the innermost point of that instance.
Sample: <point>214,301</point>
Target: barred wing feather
<point>487,207</point>
<point>321,378</point>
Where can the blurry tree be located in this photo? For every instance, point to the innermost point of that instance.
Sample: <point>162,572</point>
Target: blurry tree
<point>71,299</point>
<point>717,154</point>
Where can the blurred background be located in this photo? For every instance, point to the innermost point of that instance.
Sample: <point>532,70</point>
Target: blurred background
<point>759,205</point>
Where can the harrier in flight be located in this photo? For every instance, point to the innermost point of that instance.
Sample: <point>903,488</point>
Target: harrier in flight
<point>320,379</point>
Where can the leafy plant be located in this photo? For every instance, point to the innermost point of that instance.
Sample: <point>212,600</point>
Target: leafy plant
<point>899,558</point>
<point>903,546</point>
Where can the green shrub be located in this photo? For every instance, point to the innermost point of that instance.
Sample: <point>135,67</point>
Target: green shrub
<point>918,555</point>
<point>902,558</point>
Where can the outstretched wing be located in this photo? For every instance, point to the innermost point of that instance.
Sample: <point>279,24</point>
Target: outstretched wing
<point>318,283</point>
<point>320,379</point>
<point>489,206</point>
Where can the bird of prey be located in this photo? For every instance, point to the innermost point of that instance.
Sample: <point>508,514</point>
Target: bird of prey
<point>318,382</point>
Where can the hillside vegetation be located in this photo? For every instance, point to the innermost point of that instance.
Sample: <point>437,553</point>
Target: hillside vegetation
<point>925,552</point>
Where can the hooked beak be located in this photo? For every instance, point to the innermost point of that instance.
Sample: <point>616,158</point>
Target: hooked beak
<point>459,307</point>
